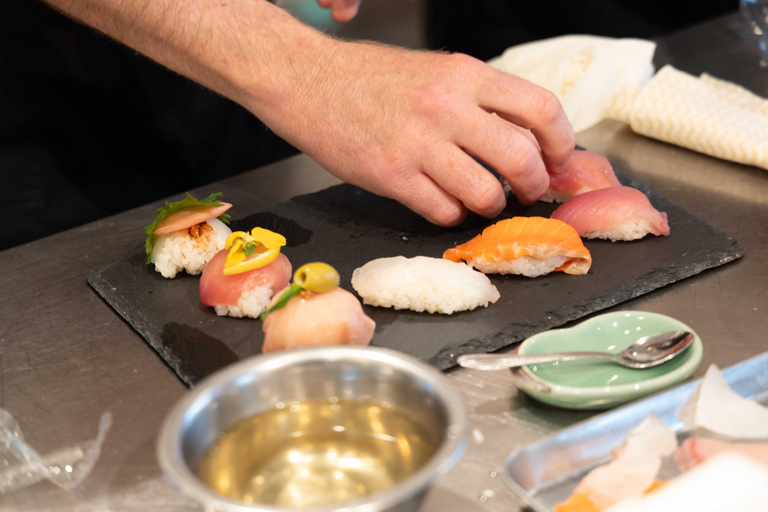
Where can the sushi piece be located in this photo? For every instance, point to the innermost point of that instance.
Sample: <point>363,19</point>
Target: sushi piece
<point>242,278</point>
<point>187,234</point>
<point>617,213</point>
<point>529,246</point>
<point>423,284</point>
<point>632,472</point>
<point>315,311</point>
<point>695,450</point>
<point>585,172</point>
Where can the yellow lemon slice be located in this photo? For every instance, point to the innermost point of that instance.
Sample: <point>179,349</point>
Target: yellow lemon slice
<point>235,255</point>
<point>259,258</point>
<point>268,238</point>
<point>235,235</point>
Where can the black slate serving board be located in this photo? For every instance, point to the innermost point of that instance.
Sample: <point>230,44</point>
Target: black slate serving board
<point>347,227</point>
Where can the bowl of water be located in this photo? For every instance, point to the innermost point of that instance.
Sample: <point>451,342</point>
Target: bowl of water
<point>319,429</point>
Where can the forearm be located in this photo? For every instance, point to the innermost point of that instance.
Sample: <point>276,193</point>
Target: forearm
<point>244,50</point>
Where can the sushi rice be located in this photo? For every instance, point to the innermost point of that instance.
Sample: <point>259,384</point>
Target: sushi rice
<point>423,284</point>
<point>633,230</point>
<point>524,265</point>
<point>179,250</point>
<point>251,303</point>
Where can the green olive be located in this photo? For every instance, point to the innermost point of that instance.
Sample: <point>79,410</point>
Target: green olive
<point>317,277</point>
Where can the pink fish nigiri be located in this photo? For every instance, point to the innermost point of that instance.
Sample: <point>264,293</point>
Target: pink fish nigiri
<point>586,171</point>
<point>244,294</point>
<point>310,319</point>
<point>189,217</point>
<point>616,213</point>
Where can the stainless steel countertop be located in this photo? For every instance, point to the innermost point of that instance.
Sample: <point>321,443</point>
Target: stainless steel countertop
<point>65,356</point>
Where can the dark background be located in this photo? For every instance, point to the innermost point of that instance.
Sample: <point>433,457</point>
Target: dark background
<point>90,128</point>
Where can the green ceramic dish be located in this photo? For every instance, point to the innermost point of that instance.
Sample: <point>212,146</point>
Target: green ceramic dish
<point>596,384</point>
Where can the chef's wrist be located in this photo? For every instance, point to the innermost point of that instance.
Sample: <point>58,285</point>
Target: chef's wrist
<point>274,83</point>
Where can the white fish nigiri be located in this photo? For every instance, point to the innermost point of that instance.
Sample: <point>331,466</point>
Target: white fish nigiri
<point>423,284</point>
<point>615,213</point>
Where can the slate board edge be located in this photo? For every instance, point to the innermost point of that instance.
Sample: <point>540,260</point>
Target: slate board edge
<point>144,328</point>
<point>446,358</point>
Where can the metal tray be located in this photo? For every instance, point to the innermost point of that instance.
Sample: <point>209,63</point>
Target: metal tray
<point>545,473</point>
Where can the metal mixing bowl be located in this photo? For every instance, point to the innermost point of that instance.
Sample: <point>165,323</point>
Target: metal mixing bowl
<point>259,383</point>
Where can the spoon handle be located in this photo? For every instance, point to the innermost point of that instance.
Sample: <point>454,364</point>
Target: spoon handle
<point>501,361</point>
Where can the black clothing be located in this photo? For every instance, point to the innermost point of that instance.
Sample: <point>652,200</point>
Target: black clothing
<point>89,128</point>
<point>485,28</point>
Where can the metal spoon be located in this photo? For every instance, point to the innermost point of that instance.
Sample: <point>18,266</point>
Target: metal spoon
<point>646,352</point>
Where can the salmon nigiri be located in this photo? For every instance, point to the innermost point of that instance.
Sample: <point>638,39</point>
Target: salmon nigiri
<point>530,246</point>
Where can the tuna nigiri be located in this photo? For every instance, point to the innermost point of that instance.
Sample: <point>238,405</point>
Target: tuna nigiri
<point>241,279</point>
<point>315,311</point>
<point>530,246</point>
<point>616,213</point>
<point>585,172</point>
<point>186,234</point>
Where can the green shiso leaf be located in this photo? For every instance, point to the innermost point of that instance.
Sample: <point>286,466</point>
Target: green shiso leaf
<point>287,295</point>
<point>162,213</point>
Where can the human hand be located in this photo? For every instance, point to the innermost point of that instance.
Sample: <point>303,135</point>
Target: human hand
<point>403,124</point>
<point>397,122</point>
<point>342,11</point>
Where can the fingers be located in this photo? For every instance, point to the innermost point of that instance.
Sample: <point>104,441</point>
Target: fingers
<point>535,109</point>
<point>508,150</point>
<point>342,11</point>
<point>465,179</point>
<point>527,134</point>
<point>421,194</point>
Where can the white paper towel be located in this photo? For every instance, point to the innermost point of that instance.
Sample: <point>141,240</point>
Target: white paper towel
<point>584,72</point>
<point>705,114</point>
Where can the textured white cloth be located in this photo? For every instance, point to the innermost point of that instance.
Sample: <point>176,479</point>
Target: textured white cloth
<point>705,114</point>
<point>584,72</point>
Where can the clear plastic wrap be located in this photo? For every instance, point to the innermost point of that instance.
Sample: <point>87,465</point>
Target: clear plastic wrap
<point>21,465</point>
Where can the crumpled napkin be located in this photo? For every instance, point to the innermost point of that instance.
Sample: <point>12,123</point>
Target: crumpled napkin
<point>584,72</point>
<point>705,114</point>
